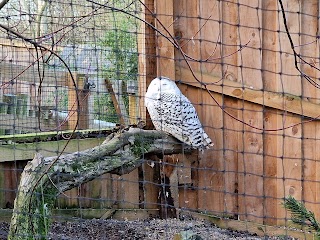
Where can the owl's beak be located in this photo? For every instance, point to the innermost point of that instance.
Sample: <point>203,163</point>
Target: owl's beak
<point>158,96</point>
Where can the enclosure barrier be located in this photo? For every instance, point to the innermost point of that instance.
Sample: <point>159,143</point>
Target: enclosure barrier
<point>250,68</point>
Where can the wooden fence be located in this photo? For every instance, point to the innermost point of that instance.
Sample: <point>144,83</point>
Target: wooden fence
<point>258,109</point>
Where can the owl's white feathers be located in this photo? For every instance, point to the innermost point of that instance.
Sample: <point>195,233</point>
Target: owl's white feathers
<point>173,113</point>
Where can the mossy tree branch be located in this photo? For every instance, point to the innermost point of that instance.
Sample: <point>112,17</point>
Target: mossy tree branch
<point>121,153</point>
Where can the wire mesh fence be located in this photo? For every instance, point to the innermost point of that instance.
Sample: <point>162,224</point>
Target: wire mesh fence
<point>74,73</point>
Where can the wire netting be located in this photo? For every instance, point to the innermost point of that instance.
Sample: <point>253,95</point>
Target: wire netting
<point>75,72</point>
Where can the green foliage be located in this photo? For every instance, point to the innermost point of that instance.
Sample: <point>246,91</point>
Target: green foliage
<point>122,55</point>
<point>122,42</point>
<point>301,215</point>
<point>104,109</point>
<point>140,146</point>
<point>43,203</point>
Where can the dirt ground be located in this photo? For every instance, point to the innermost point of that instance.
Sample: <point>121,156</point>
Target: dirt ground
<point>145,229</point>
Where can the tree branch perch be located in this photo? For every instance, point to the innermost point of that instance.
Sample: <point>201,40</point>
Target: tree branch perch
<point>120,153</point>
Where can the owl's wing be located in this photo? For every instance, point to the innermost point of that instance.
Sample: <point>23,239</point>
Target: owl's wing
<point>191,124</point>
<point>174,109</point>
<point>175,114</point>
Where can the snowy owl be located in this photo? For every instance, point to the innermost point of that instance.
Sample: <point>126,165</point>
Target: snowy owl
<point>173,113</point>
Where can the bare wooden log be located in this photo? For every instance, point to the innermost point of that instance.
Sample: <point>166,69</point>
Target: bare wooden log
<point>44,178</point>
<point>119,109</point>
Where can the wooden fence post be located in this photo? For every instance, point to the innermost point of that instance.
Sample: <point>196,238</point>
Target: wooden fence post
<point>165,49</point>
<point>76,112</point>
<point>147,57</point>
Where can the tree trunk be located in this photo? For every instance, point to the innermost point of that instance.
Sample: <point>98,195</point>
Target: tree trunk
<point>45,178</point>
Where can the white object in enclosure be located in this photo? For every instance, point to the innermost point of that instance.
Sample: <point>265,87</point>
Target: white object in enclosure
<point>173,113</point>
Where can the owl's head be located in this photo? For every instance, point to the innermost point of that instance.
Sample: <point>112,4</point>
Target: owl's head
<point>159,86</point>
<point>164,85</point>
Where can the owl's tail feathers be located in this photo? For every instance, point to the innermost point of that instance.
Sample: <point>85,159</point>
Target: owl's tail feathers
<point>207,143</point>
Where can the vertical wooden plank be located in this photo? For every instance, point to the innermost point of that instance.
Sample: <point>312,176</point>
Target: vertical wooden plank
<point>187,32</point>
<point>142,64</point>
<point>90,194</point>
<point>133,106</point>
<point>310,141</point>
<point>147,57</point>
<point>230,156</point>
<point>150,184</point>
<point>169,192</point>
<point>73,112</point>
<point>188,199</point>
<point>186,26</point>
<point>291,161</point>
<point>188,190</point>
<point>165,49</point>
<point>210,36</point>
<point>231,127</point>
<point>290,165</point>
<point>273,155</point>
<point>115,91</point>
<point>185,194</point>
<point>107,200</point>
<point>132,109</point>
<point>211,163</point>
<point>12,176</point>
<point>10,184</point>
<point>69,199</point>
<point>84,190</point>
<point>212,177</point>
<point>10,173</point>
<point>128,190</point>
<point>250,166</point>
<point>250,141</point>
<point>2,186</point>
<point>148,70</point>
<point>250,56</point>
<point>186,186</point>
<point>290,78</point>
<point>272,119</point>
